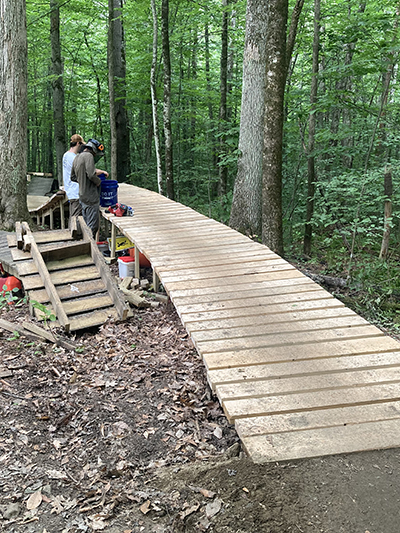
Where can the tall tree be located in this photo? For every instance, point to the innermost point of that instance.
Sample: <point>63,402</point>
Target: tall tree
<point>272,229</point>
<point>312,121</point>
<point>13,112</point>
<point>246,204</point>
<point>154,100</point>
<point>169,176</point>
<point>246,213</point>
<point>223,109</point>
<point>120,155</point>
<point>58,87</point>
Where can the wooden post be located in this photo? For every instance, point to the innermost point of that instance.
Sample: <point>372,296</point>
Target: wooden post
<point>62,214</point>
<point>51,212</point>
<point>137,263</point>
<point>156,281</point>
<point>18,233</point>
<point>113,240</point>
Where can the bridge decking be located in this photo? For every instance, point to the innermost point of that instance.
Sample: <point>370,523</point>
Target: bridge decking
<point>297,372</point>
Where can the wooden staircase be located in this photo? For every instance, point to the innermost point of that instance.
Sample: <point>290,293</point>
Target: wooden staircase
<point>66,277</point>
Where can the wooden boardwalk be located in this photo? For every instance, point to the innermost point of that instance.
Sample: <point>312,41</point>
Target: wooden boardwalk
<point>298,373</point>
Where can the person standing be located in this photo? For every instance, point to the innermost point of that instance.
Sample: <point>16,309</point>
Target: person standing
<point>72,189</point>
<point>85,174</point>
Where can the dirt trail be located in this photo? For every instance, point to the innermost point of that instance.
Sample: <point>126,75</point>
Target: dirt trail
<point>124,436</point>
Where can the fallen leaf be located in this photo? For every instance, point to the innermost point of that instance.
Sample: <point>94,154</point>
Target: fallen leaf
<point>98,524</point>
<point>213,508</point>
<point>145,508</point>
<point>218,432</point>
<point>55,474</point>
<point>34,500</point>
<point>207,493</point>
<point>245,489</point>
<point>189,511</point>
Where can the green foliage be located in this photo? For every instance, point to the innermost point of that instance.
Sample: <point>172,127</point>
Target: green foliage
<point>47,314</point>
<point>8,297</point>
<point>353,143</point>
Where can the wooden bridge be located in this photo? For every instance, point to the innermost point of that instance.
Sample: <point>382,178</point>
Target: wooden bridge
<point>297,372</point>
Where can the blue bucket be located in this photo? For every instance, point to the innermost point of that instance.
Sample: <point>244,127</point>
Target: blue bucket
<point>108,193</point>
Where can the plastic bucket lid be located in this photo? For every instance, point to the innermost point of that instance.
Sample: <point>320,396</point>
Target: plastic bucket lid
<point>126,259</point>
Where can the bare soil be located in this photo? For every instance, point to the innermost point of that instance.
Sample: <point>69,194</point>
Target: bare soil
<point>124,435</point>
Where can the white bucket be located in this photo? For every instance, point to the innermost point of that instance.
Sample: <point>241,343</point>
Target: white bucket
<point>126,266</point>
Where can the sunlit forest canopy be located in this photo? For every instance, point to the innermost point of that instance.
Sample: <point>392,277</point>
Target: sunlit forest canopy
<point>357,104</point>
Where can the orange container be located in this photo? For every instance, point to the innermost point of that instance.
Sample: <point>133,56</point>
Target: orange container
<point>143,261</point>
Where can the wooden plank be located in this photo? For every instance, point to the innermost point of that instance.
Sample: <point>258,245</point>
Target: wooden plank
<point>309,383</point>
<point>62,276</point>
<point>81,305</point>
<point>305,401</point>
<point>225,271</point>
<point>105,274</point>
<point>220,332</point>
<point>294,285</point>
<point>57,252</point>
<point>28,267</point>
<point>260,356</point>
<point>207,251</point>
<point>52,236</point>
<point>325,441</point>
<point>170,224</point>
<point>291,317</point>
<point>47,281</point>
<point>175,265</point>
<point>89,320</point>
<point>302,368</point>
<point>72,290</point>
<point>341,416</point>
<point>258,298</point>
<point>19,255</point>
<point>235,280</point>
<point>246,309</point>
<point>288,338</point>
<point>74,228</point>
<point>13,326</point>
<point>192,243</point>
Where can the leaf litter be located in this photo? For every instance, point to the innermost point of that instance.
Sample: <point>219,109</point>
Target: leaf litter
<point>124,436</point>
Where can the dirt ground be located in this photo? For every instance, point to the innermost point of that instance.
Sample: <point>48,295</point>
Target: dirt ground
<point>123,435</point>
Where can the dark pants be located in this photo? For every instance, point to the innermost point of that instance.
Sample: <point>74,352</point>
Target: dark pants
<point>91,216</point>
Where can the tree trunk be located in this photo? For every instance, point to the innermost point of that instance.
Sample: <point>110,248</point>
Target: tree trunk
<point>58,88</point>
<point>223,168</point>
<point>98,129</point>
<point>13,113</point>
<point>169,178</point>
<point>212,141</point>
<point>246,209</point>
<point>311,131</point>
<point>246,213</point>
<point>272,233</point>
<point>388,191</point>
<point>154,101</point>
<point>120,160</point>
